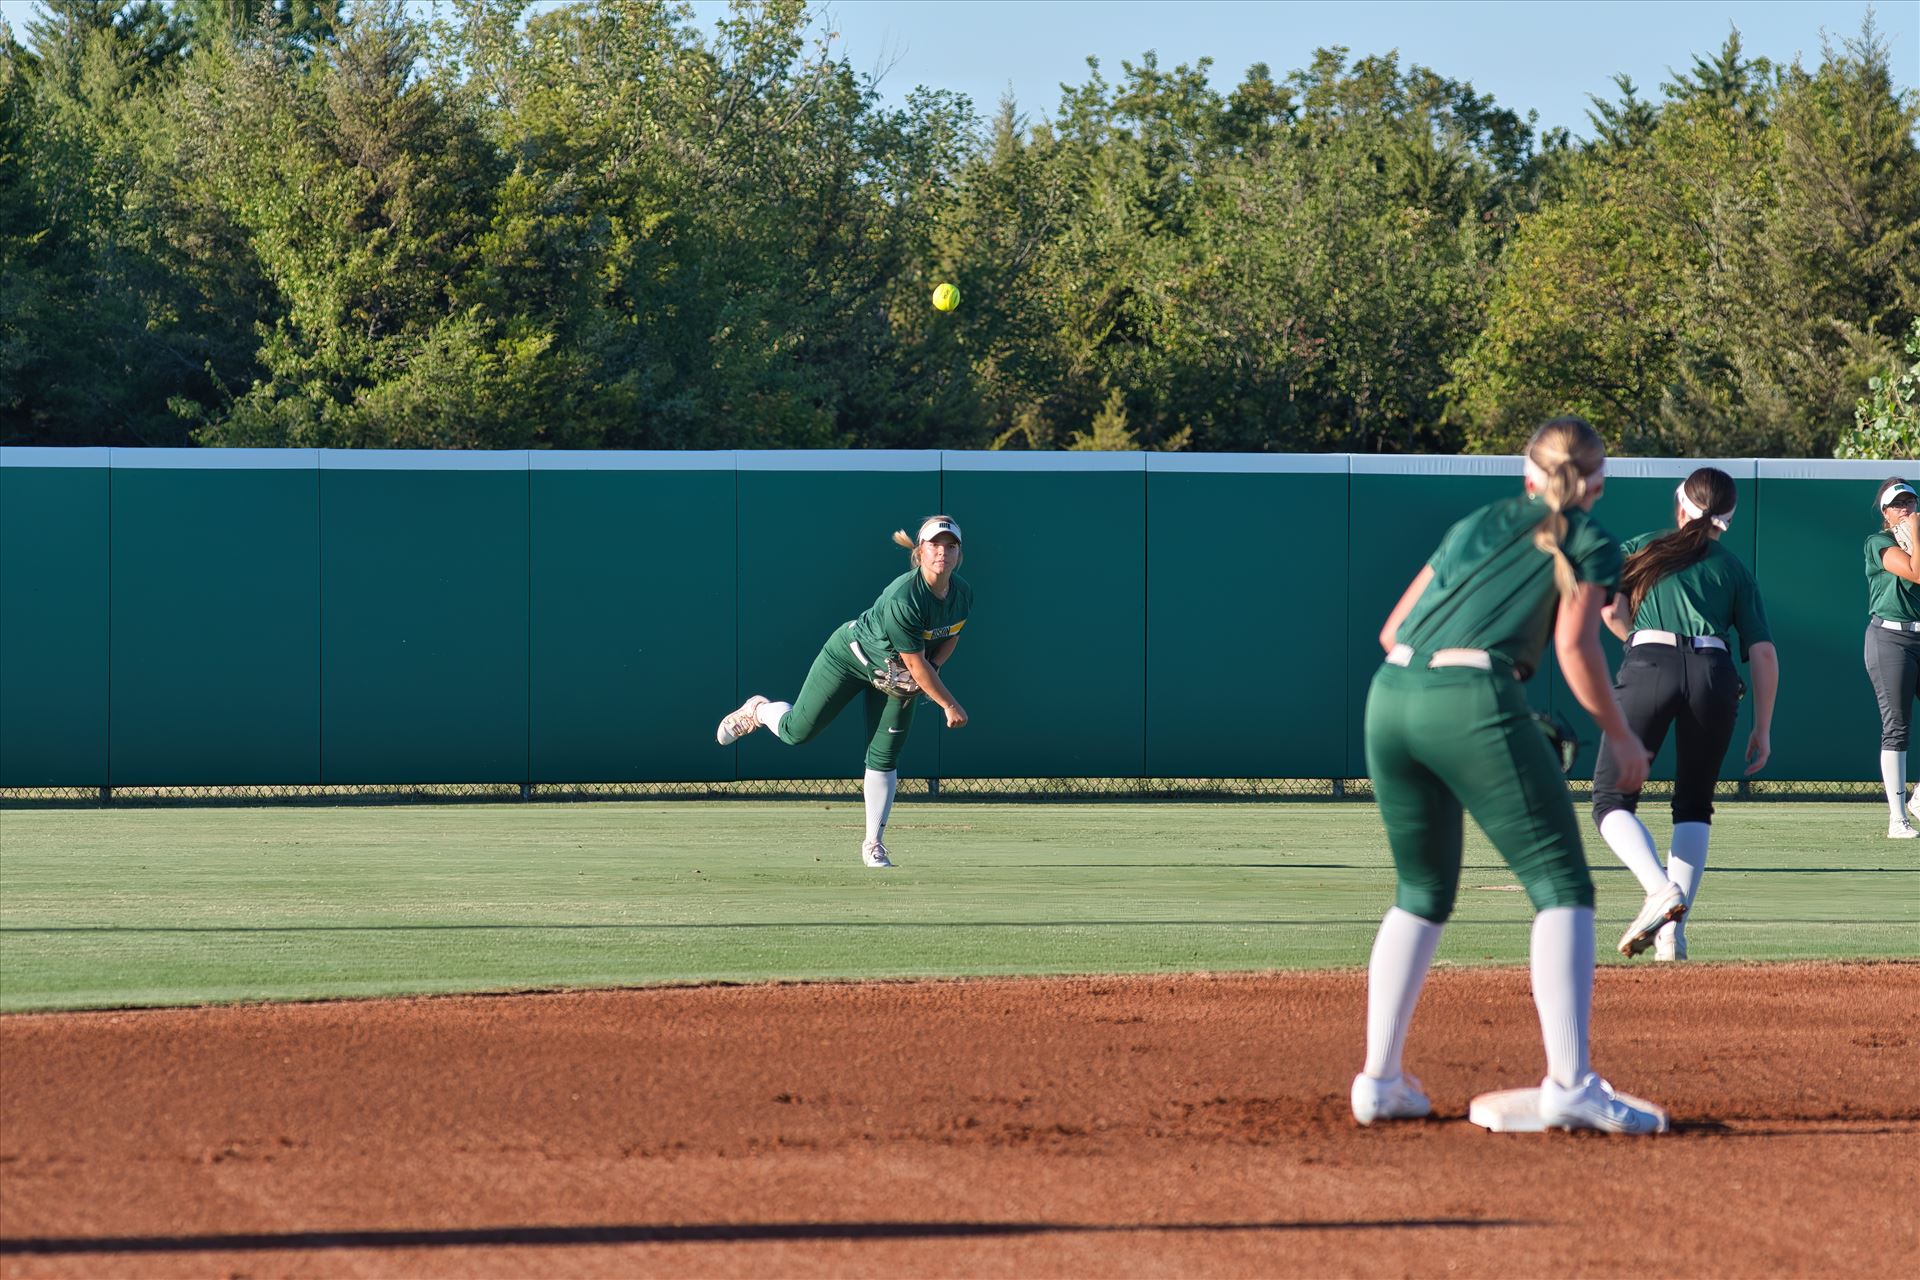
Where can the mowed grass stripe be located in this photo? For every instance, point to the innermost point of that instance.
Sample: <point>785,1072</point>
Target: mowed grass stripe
<point>178,906</point>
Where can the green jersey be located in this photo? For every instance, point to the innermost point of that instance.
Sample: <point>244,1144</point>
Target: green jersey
<point>1889,596</point>
<point>1493,589</point>
<point>1710,597</point>
<point>908,616</point>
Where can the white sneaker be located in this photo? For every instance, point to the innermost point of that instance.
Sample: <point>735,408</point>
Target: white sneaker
<point>1397,1098</point>
<point>874,854</point>
<point>1662,905</point>
<point>1901,829</point>
<point>1592,1104</point>
<point>1669,943</point>
<point>741,722</point>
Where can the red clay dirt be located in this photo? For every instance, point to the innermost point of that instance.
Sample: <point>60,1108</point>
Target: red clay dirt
<point>1192,1125</point>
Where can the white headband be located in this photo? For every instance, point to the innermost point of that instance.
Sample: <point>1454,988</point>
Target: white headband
<point>935,527</point>
<point>1695,511</point>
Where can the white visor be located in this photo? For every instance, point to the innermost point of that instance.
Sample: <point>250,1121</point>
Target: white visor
<point>935,527</point>
<point>1893,491</point>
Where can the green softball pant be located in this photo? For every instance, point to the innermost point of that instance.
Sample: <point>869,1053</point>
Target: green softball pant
<point>1458,738</point>
<point>834,680</point>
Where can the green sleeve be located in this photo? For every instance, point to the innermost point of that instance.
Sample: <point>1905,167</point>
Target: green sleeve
<point>1750,617</point>
<point>901,628</point>
<point>1438,560</point>
<point>1877,544</point>
<point>1596,557</point>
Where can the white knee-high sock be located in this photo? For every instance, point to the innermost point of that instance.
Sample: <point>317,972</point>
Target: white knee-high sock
<point>1686,863</point>
<point>769,714</point>
<point>1402,952</point>
<point>1893,776</point>
<point>880,787</point>
<point>1627,836</point>
<point>1562,956</point>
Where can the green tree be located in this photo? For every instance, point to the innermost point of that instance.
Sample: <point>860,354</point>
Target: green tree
<point>1725,284</point>
<point>1887,418</point>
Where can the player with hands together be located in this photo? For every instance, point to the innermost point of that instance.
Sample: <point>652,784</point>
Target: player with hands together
<point>1893,642</point>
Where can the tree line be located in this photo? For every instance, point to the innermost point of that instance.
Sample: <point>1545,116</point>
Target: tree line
<point>304,222</point>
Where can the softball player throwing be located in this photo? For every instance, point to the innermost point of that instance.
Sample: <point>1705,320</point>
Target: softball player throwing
<point>1448,729</point>
<point>1893,640</point>
<point>887,656</point>
<point>1681,595</point>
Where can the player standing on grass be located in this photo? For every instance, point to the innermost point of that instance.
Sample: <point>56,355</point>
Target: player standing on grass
<point>1893,639</point>
<point>888,656</point>
<point>1681,593</point>
<point>1448,727</point>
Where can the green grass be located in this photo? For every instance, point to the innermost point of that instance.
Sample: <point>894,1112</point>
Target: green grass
<point>175,906</point>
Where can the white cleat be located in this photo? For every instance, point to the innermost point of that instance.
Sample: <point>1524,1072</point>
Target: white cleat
<point>874,854</point>
<point>1669,944</point>
<point>1398,1098</point>
<point>1663,905</point>
<point>741,722</point>
<point>1901,829</point>
<point>1592,1104</point>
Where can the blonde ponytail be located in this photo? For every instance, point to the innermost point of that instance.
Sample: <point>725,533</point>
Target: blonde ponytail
<point>1562,458</point>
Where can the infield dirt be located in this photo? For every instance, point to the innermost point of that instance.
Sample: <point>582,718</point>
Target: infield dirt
<point>1135,1126</point>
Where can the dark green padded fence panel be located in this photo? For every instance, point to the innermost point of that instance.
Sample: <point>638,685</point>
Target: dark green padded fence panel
<point>1055,664</point>
<point>1400,509</point>
<point>1814,522</point>
<point>423,617</point>
<point>1639,499</point>
<point>1245,574</point>
<point>814,530</point>
<point>215,616</point>
<point>633,640</point>
<point>53,617</point>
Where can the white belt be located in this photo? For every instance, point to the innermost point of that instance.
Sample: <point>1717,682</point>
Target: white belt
<point>1674,641</point>
<point>1891,625</point>
<point>1401,655</point>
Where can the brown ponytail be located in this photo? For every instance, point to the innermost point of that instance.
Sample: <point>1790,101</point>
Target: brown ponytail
<point>1709,489</point>
<point>1568,452</point>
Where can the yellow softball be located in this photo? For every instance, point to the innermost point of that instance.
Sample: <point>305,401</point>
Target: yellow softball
<point>945,297</point>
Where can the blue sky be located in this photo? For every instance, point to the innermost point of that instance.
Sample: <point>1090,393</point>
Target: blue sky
<point>1544,55</point>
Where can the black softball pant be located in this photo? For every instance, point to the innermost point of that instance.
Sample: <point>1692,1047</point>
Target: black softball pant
<point>1893,664</point>
<point>1695,692</point>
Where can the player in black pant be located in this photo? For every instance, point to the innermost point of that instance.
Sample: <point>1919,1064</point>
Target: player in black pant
<point>1893,641</point>
<point>1681,595</point>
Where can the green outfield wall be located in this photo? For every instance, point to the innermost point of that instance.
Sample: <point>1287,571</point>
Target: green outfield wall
<point>180,617</point>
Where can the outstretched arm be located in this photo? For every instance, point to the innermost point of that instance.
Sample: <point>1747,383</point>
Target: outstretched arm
<point>927,677</point>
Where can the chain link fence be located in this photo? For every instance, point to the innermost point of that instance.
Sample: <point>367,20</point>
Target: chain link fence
<point>958,790</point>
